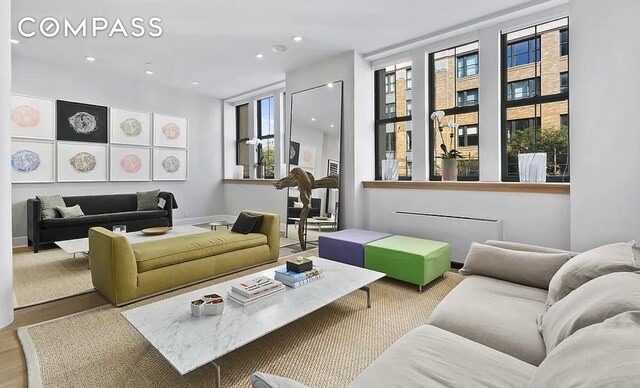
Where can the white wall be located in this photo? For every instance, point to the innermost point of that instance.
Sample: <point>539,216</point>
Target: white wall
<point>198,198</point>
<point>6,259</point>
<point>258,197</point>
<point>605,132</point>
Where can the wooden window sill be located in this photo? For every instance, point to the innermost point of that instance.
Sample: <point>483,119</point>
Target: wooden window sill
<point>265,182</point>
<point>504,187</point>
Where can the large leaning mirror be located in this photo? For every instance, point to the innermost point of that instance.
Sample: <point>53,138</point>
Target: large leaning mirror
<point>314,150</point>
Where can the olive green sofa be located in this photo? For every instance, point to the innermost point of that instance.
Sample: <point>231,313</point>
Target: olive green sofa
<point>124,272</point>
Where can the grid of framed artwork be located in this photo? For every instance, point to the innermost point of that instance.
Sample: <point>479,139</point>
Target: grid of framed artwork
<point>65,141</point>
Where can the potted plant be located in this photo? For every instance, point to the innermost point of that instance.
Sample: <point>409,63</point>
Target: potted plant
<point>259,165</point>
<point>449,155</point>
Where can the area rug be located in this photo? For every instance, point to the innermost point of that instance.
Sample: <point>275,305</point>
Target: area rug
<point>327,348</point>
<point>49,275</point>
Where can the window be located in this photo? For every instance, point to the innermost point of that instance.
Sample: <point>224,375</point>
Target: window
<point>468,97</point>
<point>390,110</point>
<point>390,83</point>
<point>266,150</point>
<point>393,118</point>
<point>242,135</point>
<point>523,52</point>
<point>458,98</point>
<point>467,135</point>
<point>468,65</point>
<point>535,103</point>
<point>564,42</point>
<point>527,88</point>
<point>564,82</point>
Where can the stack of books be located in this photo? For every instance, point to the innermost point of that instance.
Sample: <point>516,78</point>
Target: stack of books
<point>255,290</point>
<point>297,279</point>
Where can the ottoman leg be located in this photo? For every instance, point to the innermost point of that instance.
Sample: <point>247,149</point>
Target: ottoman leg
<point>419,288</point>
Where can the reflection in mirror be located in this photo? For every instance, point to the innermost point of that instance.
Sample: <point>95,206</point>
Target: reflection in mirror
<point>314,147</point>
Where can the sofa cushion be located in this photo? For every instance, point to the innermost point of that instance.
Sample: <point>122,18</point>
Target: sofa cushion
<point>593,302</point>
<point>495,313</point>
<point>430,357</point>
<point>161,253</point>
<point>245,223</point>
<point>264,380</point>
<point>527,247</point>
<point>618,257</point>
<point>148,200</point>
<point>523,267</point>
<point>100,219</point>
<point>606,354</point>
<point>70,212</point>
<point>49,204</point>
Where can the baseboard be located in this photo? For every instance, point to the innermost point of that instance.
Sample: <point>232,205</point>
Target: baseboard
<point>20,241</point>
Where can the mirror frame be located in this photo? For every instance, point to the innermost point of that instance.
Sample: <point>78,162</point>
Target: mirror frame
<point>341,152</point>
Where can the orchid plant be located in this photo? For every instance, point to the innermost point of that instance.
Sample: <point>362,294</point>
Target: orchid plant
<point>258,144</point>
<point>447,153</point>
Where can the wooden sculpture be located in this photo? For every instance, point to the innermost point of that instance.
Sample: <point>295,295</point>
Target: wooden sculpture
<point>305,182</point>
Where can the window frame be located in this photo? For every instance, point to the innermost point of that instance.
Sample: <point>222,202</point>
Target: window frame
<point>537,86</point>
<point>239,140</point>
<point>535,101</point>
<point>537,51</point>
<point>431,66</point>
<point>562,45</point>
<point>465,135</point>
<point>466,66</point>
<point>259,132</point>
<point>466,94</point>
<point>380,76</point>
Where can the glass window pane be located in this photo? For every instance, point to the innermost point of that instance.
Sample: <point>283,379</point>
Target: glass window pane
<point>541,128</point>
<point>266,119</point>
<point>466,142</point>
<point>242,121</point>
<point>243,157</point>
<point>267,154</point>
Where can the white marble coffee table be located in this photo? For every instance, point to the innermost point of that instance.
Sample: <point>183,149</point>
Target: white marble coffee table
<point>189,343</point>
<point>81,245</point>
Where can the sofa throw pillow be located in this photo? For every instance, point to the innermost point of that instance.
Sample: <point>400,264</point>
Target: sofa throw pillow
<point>148,200</point>
<point>245,223</point>
<point>71,212</point>
<point>593,302</point>
<point>526,247</point>
<point>618,257</point>
<point>601,355</point>
<point>527,268</point>
<point>259,221</point>
<point>49,204</point>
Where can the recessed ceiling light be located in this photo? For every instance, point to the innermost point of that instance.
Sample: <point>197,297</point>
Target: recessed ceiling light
<point>313,119</point>
<point>297,39</point>
<point>278,48</point>
<point>195,82</point>
<point>148,72</point>
<point>90,59</point>
<point>332,126</point>
<point>14,41</point>
<point>330,84</point>
<point>259,56</point>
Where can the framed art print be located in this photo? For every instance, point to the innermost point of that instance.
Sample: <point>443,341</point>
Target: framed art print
<point>129,127</point>
<point>81,122</point>
<point>32,117</point>
<point>294,153</point>
<point>170,131</point>
<point>131,164</point>
<point>169,164</point>
<point>33,162</point>
<point>307,157</point>
<point>82,162</point>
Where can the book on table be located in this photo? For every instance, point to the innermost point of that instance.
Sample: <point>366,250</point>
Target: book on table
<point>246,301</point>
<point>256,287</point>
<point>293,277</point>
<point>301,282</point>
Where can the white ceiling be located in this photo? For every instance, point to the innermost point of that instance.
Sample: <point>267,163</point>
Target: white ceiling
<point>215,41</point>
<point>318,109</point>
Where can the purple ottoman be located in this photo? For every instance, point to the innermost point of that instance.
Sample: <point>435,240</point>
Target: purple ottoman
<point>347,246</point>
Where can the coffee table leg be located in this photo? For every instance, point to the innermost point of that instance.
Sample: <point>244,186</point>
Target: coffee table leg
<point>217,374</point>
<point>368,291</point>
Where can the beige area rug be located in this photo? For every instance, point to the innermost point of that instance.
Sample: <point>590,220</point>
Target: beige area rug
<point>54,274</point>
<point>327,348</point>
<point>49,275</point>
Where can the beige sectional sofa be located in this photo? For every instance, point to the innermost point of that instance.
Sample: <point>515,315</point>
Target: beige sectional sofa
<point>525,316</point>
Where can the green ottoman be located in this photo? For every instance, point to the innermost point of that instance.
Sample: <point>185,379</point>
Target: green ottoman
<point>409,259</point>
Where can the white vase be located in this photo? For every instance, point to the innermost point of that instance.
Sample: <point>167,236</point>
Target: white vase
<point>390,170</point>
<point>532,167</point>
<point>238,172</point>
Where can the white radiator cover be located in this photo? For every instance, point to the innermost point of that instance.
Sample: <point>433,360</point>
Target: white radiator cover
<point>459,231</point>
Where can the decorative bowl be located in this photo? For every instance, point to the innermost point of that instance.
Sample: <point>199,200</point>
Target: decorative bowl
<point>321,218</point>
<point>214,307</point>
<point>197,307</point>
<point>156,231</point>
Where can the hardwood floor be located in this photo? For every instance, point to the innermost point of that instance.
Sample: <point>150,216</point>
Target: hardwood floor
<point>13,369</point>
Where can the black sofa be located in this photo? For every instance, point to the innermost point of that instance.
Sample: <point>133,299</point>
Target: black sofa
<point>294,212</point>
<point>100,210</point>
